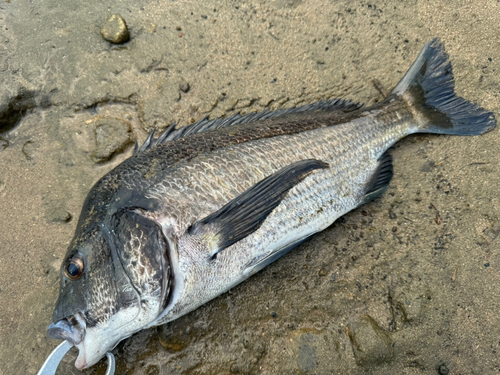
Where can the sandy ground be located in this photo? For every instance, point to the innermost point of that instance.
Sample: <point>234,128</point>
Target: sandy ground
<point>408,284</point>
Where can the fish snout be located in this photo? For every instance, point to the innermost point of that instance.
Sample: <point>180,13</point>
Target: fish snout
<point>71,328</point>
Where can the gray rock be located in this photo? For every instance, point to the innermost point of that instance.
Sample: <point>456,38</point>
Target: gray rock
<point>184,86</point>
<point>114,29</point>
<point>370,343</point>
<point>60,215</point>
<point>112,136</point>
<point>443,370</point>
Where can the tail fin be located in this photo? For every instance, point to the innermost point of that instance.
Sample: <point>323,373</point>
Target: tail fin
<point>429,87</point>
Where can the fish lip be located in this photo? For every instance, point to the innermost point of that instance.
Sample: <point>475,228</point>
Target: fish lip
<point>71,328</point>
<point>81,360</point>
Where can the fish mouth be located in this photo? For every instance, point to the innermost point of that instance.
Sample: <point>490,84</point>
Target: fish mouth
<point>71,328</point>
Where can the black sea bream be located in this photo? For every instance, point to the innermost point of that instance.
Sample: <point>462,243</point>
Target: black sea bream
<point>200,209</point>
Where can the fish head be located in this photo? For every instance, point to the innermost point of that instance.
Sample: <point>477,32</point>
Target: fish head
<point>115,280</point>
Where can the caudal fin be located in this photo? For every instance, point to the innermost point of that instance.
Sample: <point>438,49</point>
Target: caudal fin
<point>430,88</point>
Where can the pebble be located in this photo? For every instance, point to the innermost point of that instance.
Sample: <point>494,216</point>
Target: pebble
<point>184,86</point>
<point>59,215</point>
<point>323,272</point>
<point>443,370</point>
<point>112,136</point>
<point>114,29</point>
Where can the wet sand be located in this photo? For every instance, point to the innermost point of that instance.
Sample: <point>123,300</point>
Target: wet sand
<point>408,284</point>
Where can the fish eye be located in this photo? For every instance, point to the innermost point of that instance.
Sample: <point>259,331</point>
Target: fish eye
<point>74,269</point>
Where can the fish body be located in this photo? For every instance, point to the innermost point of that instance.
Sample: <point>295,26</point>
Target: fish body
<point>200,209</point>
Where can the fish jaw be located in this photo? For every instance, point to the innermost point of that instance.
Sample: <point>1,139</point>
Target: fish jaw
<point>93,348</point>
<point>72,329</point>
<point>103,337</point>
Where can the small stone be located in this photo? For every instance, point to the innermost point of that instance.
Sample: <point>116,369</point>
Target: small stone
<point>394,229</point>
<point>322,272</point>
<point>59,215</point>
<point>274,314</point>
<point>184,86</point>
<point>112,136</point>
<point>443,370</point>
<point>114,29</point>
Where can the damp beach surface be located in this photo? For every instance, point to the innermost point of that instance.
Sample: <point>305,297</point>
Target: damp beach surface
<point>408,284</point>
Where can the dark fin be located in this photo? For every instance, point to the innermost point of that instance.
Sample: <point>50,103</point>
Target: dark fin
<point>205,124</point>
<point>244,214</point>
<point>146,145</point>
<point>429,86</point>
<point>151,142</point>
<point>380,180</point>
<point>259,264</point>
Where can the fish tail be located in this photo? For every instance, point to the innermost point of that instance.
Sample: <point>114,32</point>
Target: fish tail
<point>429,87</point>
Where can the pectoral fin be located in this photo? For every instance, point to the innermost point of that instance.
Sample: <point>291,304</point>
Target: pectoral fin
<point>244,215</point>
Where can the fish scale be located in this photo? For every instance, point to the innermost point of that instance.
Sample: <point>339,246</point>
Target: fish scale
<point>261,158</point>
<point>314,203</point>
<point>198,210</point>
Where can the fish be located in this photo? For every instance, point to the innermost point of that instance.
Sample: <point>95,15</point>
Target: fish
<point>199,209</point>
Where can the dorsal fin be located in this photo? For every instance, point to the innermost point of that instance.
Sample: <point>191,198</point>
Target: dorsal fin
<point>205,124</point>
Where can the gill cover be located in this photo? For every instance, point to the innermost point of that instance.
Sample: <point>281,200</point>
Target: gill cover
<point>142,252</point>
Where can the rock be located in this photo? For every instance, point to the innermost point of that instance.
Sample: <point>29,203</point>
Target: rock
<point>443,370</point>
<point>184,86</point>
<point>112,136</point>
<point>114,29</point>
<point>59,215</point>
<point>370,343</point>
